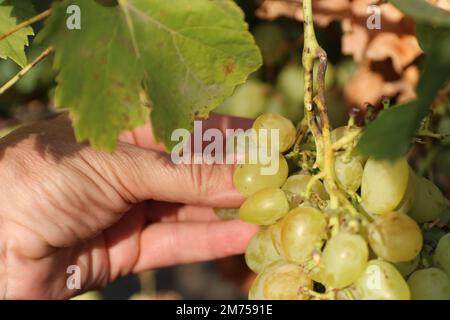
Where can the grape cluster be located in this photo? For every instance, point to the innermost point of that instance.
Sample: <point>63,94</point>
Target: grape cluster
<point>310,248</point>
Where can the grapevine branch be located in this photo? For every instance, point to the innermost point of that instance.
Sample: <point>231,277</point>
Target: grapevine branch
<point>309,56</point>
<point>325,158</point>
<point>25,70</point>
<point>25,24</point>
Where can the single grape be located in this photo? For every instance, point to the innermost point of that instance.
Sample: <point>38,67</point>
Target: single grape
<point>304,230</point>
<point>281,281</point>
<point>384,185</point>
<point>343,260</point>
<point>264,207</point>
<point>429,284</point>
<point>349,172</point>
<point>296,185</point>
<point>249,178</point>
<point>271,122</point>
<point>429,202</point>
<point>408,267</point>
<point>381,281</point>
<point>395,237</point>
<point>442,254</point>
<point>260,252</point>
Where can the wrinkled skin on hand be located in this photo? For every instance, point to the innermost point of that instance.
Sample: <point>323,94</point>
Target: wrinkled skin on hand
<point>64,203</point>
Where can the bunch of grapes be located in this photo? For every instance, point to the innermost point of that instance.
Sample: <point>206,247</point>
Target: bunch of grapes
<point>367,245</point>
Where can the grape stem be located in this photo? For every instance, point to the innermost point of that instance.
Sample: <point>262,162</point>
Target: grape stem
<point>433,135</point>
<point>309,56</point>
<point>302,129</point>
<point>325,151</point>
<point>347,139</point>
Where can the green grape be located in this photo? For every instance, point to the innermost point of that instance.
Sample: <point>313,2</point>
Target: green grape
<point>408,267</point>
<point>227,213</point>
<point>249,178</point>
<point>272,121</point>
<point>281,281</point>
<point>260,252</point>
<point>395,237</point>
<point>429,284</point>
<point>381,281</point>
<point>343,260</point>
<point>264,207</point>
<point>304,230</point>
<point>248,101</point>
<point>290,83</point>
<point>442,254</point>
<point>384,185</point>
<point>349,172</point>
<point>297,184</point>
<point>429,202</point>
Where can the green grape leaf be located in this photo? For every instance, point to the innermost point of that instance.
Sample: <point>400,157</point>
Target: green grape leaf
<point>194,56</point>
<point>99,77</point>
<point>400,123</point>
<point>424,12</point>
<point>13,12</point>
<point>188,56</point>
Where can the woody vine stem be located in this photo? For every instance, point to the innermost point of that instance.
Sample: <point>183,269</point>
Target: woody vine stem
<point>325,150</point>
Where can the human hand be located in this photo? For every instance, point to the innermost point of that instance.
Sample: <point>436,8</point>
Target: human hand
<point>64,203</point>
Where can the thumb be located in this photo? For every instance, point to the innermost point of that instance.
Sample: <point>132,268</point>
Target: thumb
<point>142,174</point>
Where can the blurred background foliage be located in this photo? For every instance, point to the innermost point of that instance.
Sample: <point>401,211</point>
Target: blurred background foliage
<point>364,68</point>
